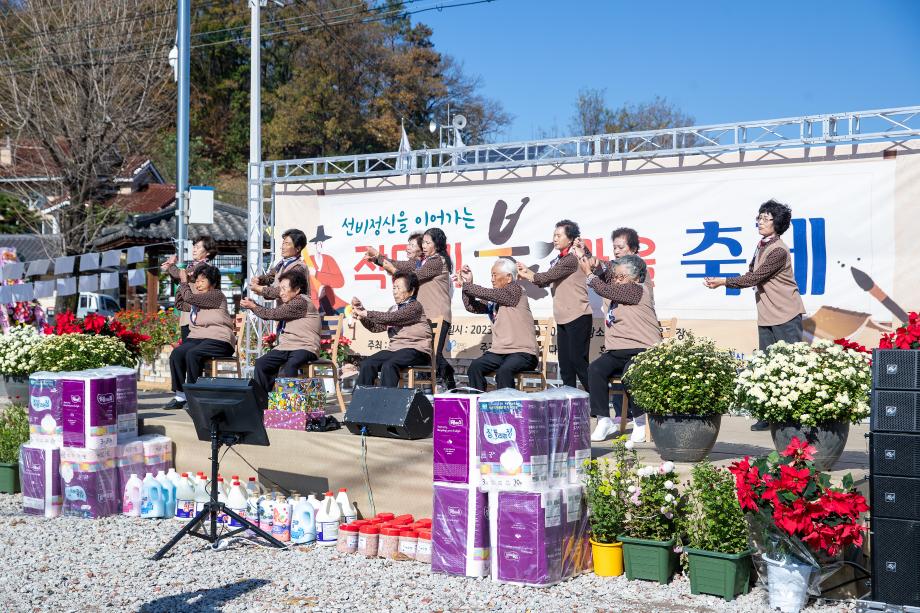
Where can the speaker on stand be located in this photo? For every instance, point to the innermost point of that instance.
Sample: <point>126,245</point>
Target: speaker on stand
<point>894,477</point>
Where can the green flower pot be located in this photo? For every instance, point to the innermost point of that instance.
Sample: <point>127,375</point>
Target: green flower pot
<point>9,478</point>
<point>719,574</point>
<point>649,560</point>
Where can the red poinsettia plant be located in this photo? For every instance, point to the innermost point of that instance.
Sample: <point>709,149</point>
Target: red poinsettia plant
<point>787,492</point>
<point>325,348</point>
<point>95,324</point>
<point>905,337</point>
<point>851,345</point>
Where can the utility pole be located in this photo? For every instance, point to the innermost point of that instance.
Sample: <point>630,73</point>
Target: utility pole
<point>182,126</point>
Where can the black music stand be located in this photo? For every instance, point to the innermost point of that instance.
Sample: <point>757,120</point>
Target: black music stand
<point>224,412</point>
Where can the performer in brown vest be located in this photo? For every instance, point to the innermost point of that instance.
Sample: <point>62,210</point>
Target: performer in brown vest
<point>211,331</point>
<point>779,304</point>
<point>433,270</point>
<point>204,249</point>
<point>298,333</point>
<point>408,329</point>
<point>630,327</point>
<point>293,242</point>
<point>411,263</point>
<point>571,308</point>
<point>514,340</point>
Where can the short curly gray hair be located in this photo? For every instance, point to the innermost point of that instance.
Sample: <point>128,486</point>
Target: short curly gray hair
<point>506,266</point>
<point>635,266</point>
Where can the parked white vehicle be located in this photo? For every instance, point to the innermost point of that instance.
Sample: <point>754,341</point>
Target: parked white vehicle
<point>96,303</point>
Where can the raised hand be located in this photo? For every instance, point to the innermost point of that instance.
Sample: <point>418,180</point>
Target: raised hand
<point>466,274</point>
<point>371,253</point>
<point>247,303</point>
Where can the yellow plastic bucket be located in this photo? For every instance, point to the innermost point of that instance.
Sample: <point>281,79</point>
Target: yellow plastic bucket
<point>608,558</point>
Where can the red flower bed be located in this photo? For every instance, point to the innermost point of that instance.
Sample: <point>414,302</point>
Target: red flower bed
<point>95,324</point>
<point>905,337</point>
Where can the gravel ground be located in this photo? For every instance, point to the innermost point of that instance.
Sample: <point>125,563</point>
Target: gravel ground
<point>69,564</point>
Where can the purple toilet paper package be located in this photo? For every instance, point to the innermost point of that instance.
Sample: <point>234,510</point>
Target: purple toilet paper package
<point>157,452</point>
<point>125,400</point>
<point>513,441</point>
<point>460,531</point>
<point>558,431</point>
<point>39,466</point>
<point>45,420</point>
<point>88,479</point>
<point>455,439</point>
<point>129,460</point>
<point>527,535</point>
<point>579,439</point>
<point>88,411</point>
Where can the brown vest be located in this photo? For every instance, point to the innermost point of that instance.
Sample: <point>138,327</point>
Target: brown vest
<point>636,325</point>
<point>215,324</point>
<point>293,265</point>
<point>513,329</point>
<point>302,333</point>
<point>778,299</point>
<point>434,294</point>
<point>413,336</point>
<point>570,298</point>
<point>184,315</point>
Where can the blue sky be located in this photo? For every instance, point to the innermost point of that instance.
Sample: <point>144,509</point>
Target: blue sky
<point>718,61</point>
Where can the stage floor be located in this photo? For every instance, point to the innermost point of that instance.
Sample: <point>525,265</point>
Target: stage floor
<point>400,471</point>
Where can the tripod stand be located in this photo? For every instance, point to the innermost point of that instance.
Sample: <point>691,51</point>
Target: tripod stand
<point>214,506</point>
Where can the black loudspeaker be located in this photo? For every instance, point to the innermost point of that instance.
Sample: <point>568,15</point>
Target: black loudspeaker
<point>895,369</point>
<point>895,455</point>
<point>895,497</point>
<point>895,563</point>
<point>895,411</point>
<point>390,412</point>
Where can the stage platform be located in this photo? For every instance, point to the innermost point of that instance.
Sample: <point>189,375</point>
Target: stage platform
<point>400,471</point>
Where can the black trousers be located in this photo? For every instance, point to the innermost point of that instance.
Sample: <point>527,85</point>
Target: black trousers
<point>505,366</point>
<point>387,365</point>
<point>609,364</point>
<point>791,332</point>
<point>183,332</point>
<point>277,363</point>
<point>573,341</point>
<point>445,370</point>
<point>187,360</point>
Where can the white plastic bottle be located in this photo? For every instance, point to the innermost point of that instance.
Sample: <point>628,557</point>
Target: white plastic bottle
<point>316,504</point>
<point>169,490</point>
<point>221,497</point>
<point>281,519</point>
<point>348,510</point>
<point>153,503</point>
<point>201,493</point>
<point>185,498</point>
<point>327,521</point>
<point>252,486</point>
<point>131,499</point>
<point>303,523</point>
<point>236,501</point>
<point>173,476</point>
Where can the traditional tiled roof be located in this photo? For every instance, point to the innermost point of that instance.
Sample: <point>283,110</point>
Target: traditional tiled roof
<point>149,199</point>
<point>34,246</point>
<point>229,228</point>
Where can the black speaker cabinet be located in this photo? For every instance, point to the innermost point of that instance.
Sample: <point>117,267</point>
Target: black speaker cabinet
<point>390,412</point>
<point>895,497</point>
<point>895,411</point>
<point>895,455</point>
<point>896,369</point>
<point>895,561</point>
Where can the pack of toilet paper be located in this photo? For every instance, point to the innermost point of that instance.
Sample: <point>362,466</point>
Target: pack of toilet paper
<point>157,452</point>
<point>455,439</point>
<point>526,531</point>
<point>129,459</point>
<point>557,431</point>
<point>579,440</point>
<point>125,400</point>
<point>45,420</point>
<point>513,441</point>
<point>88,480</point>
<point>88,411</point>
<point>39,466</point>
<point>460,531</point>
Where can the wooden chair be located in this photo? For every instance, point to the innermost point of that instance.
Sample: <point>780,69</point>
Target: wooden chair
<point>668,330</point>
<point>542,327</point>
<point>329,369</point>
<point>409,374</point>
<point>212,366</point>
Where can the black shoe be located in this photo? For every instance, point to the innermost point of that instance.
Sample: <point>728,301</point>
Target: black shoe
<point>174,405</point>
<point>760,426</point>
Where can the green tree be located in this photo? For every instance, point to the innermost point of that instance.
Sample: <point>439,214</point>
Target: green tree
<point>16,217</point>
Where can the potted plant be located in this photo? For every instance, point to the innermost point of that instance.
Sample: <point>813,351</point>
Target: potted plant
<point>652,511</point>
<point>798,522</point>
<point>80,352</point>
<point>14,431</point>
<point>17,361</point>
<point>606,482</point>
<point>685,385</point>
<point>293,402</point>
<point>809,392</point>
<point>715,534</point>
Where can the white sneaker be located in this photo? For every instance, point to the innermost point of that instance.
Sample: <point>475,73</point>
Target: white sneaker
<point>638,431</point>
<point>605,428</point>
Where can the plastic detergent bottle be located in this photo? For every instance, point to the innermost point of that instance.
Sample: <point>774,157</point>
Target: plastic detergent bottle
<point>201,493</point>
<point>185,498</point>
<point>169,489</point>
<point>173,476</point>
<point>221,497</point>
<point>348,510</point>
<point>253,487</point>
<point>131,499</point>
<point>316,504</point>
<point>153,499</point>
<point>327,521</point>
<point>281,519</point>
<point>236,501</point>
<point>265,513</point>
<point>303,523</point>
